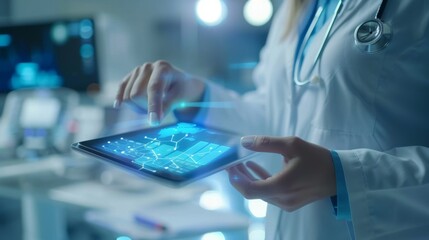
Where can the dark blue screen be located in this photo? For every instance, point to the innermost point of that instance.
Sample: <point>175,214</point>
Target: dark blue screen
<point>58,53</point>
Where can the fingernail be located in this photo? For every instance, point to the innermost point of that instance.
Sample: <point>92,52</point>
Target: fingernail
<point>116,104</point>
<point>153,119</point>
<point>247,141</point>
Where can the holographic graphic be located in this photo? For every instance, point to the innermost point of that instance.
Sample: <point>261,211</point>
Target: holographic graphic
<point>173,149</point>
<point>181,128</point>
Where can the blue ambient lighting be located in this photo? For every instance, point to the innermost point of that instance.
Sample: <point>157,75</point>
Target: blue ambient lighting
<point>123,238</point>
<point>86,51</point>
<point>86,29</point>
<point>28,74</point>
<point>27,71</point>
<point>5,40</point>
<point>203,105</point>
<point>243,65</point>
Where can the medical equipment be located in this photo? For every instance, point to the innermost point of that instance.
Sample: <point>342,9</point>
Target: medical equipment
<point>38,122</point>
<point>49,54</point>
<point>371,36</point>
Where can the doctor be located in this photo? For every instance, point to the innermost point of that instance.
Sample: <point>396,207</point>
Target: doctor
<point>343,102</point>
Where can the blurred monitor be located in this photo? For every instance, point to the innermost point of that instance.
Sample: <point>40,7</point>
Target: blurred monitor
<point>60,53</point>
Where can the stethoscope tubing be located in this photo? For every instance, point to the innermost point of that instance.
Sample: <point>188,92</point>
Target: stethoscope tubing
<point>297,67</point>
<point>380,40</point>
<point>380,10</point>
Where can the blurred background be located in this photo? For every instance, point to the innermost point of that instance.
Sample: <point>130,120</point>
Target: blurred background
<point>61,62</point>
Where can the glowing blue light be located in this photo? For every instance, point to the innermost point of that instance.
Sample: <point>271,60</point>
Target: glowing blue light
<point>213,236</point>
<point>86,29</point>
<point>176,148</point>
<point>184,128</point>
<point>244,65</point>
<point>123,238</point>
<point>258,12</point>
<point>203,105</point>
<point>27,71</point>
<point>28,74</point>
<point>5,40</point>
<point>86,51</point>
<point>211,12</point>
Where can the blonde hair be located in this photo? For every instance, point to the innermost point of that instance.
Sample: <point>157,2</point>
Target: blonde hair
<point>295,8</point>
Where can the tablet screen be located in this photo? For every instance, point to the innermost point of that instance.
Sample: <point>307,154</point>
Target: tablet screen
<point>177,153</point>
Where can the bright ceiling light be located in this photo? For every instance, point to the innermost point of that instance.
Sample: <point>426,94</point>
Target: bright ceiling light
<point>258,12</point>
<point>211,12</point>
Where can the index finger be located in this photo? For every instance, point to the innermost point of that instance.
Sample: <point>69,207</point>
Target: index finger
<point>286,146</point>
<point>120,93</point>
<point>155,92</point>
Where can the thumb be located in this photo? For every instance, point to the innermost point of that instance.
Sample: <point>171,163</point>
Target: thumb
<point>264,144</point>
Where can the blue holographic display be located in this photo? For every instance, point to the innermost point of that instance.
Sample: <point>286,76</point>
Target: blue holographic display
<point>176,149</point>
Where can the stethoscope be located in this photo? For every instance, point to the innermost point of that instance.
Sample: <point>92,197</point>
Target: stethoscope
<point>370,37</point>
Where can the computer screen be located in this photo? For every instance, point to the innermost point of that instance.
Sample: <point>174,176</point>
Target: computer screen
<point>60,53</point>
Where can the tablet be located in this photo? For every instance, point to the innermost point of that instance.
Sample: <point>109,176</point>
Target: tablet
<point>175,154</point>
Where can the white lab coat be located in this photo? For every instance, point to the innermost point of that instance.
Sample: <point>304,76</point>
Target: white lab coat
<point>373,108</point>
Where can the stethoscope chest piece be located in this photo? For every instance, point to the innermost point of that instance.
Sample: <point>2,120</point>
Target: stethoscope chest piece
<point>372,36</point>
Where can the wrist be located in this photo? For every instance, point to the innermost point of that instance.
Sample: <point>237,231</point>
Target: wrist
<point>198,87</point>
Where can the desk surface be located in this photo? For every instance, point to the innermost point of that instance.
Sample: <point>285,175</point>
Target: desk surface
<point>52,178</point>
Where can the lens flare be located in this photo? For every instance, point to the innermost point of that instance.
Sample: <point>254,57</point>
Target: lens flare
<point>211,12</point>
<point>258,12</point>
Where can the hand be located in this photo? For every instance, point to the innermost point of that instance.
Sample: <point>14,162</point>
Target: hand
<point>308,174</point>
<point>162,85</point>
